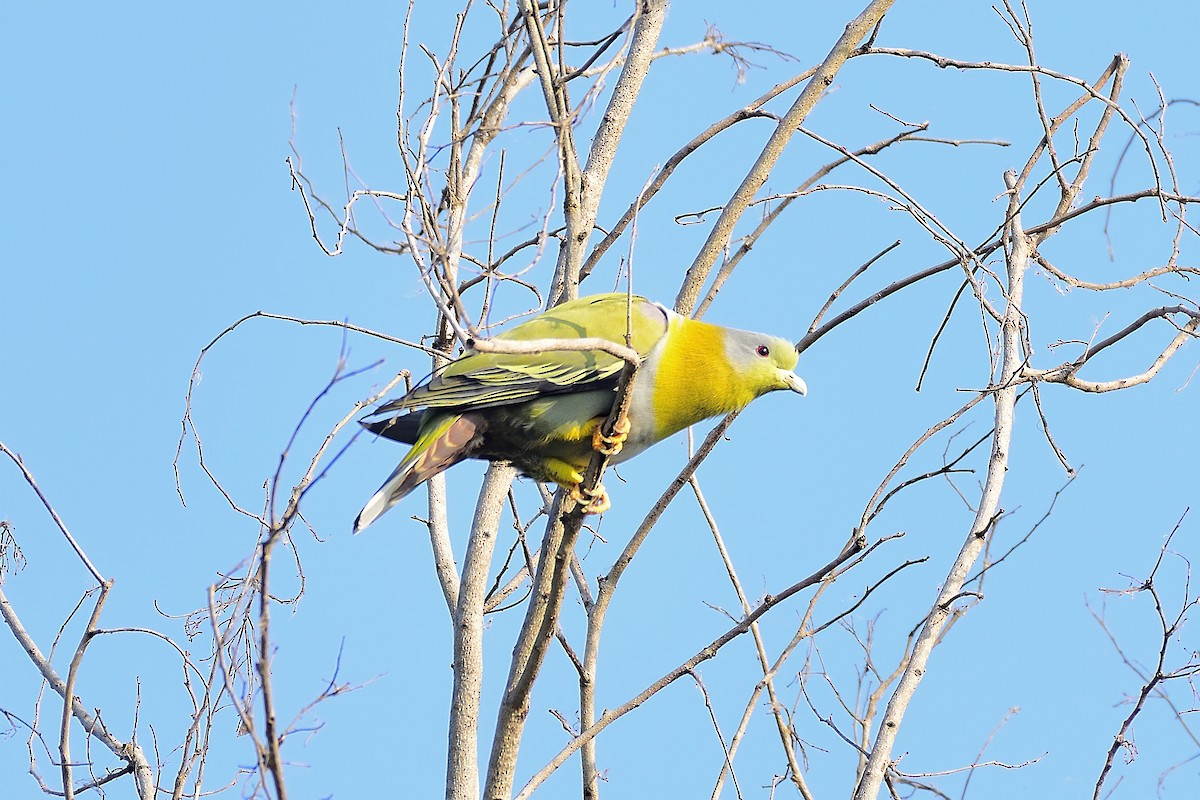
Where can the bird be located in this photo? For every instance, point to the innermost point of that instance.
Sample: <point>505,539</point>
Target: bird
<point>543,412</point>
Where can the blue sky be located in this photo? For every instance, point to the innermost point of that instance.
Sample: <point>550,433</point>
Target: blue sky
<point>147,205</point>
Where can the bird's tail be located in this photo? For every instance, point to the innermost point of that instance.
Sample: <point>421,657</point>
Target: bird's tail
<point>439,449</point>
<point>397,427</point>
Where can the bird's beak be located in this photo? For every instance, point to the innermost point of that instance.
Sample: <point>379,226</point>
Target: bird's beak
<point>794,382</point>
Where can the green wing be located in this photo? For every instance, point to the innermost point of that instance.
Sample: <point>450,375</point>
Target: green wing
<point>482,380</point>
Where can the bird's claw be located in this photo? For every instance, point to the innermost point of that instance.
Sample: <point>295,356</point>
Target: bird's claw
<point>594,502</point>
<point>611,445</point>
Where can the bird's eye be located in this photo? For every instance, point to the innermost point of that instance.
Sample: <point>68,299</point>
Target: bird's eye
<point>763,350</point>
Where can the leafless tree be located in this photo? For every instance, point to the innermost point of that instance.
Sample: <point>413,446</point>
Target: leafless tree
<point>451,224</point>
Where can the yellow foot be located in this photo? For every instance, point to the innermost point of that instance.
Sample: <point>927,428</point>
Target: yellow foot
<point>611,445</point>
<point>595,502</point>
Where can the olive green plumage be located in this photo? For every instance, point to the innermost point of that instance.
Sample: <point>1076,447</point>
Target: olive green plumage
<point>541,411</point>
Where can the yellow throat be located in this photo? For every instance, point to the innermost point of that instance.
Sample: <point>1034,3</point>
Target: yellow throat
<point>694,379</point>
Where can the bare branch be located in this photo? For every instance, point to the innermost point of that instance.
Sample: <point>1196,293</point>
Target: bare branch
<point>722,231</point>
<point>130,753</point>
<point>1067,373</point>
<point>705,653</point>
<point>1018,254</point>
<point>28,476</point>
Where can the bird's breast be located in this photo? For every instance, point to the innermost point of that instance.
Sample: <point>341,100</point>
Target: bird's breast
<point>690,379</point>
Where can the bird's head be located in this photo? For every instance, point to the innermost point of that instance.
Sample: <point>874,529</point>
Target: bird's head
<point>765,363</point>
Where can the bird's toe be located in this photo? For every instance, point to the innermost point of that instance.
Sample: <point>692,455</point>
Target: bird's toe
<point>594,502</point>
<point>611,445</point>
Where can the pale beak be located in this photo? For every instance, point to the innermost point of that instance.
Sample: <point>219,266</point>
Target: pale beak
<point>794,382</point>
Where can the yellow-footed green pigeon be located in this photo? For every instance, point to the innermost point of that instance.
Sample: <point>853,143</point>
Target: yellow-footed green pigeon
<point>542,412</point>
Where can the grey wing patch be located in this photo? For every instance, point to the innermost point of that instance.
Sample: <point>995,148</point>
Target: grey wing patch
<point>656,313</point>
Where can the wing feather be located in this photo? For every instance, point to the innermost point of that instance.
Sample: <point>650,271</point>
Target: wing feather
<point>483,380</point>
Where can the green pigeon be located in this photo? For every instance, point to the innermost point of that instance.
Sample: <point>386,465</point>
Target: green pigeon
<point>542,412</point>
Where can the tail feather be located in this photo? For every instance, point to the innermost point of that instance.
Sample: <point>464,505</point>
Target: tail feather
<point>403,428</point>
<point>435,451</point>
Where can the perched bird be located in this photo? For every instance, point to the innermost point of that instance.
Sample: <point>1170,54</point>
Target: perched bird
<point>543,412</point>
